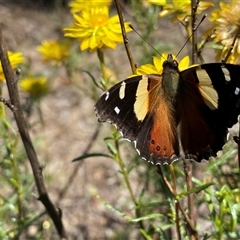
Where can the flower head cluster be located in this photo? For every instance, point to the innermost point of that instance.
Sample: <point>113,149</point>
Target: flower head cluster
<point>226,25</point>
<point>54,51</point>
<point>94,28</point>
<point>179,10</point>
<point>157,66</point>
<point>36,86</point>
<point>15,59</point>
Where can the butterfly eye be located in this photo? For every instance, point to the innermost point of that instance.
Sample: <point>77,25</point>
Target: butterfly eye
<point>175,64</point>
<point>165,63</point>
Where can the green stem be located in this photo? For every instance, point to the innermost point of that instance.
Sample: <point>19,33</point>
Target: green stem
<point>17,187</point>
<point>10,143</point>
<point>102,65</point>
<point>124,171</point>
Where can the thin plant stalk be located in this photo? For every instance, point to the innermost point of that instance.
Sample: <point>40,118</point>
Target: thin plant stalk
<point>125,39</point>
<point>124,171</point>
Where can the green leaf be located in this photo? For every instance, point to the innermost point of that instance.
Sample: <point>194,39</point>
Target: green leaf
<point>194,190</point>
<point>111,208</point>
<point>93,80</point>
<point>88,155</point>
<point>111,148</point>
<point>14,182</point>
<point>235,209</point>
<point>214,46</point>
<point>153,204</point>
<point>150,216</point>
<point>222,159</point>
<point>144,233</point>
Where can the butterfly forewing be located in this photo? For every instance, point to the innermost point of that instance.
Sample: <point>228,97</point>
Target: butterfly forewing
<point>226,81</point>
<point>114,107</point>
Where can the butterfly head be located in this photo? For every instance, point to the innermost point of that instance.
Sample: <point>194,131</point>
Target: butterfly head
<point>170,63</point>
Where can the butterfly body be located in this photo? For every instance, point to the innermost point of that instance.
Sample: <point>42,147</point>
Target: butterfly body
<point>176,113</point>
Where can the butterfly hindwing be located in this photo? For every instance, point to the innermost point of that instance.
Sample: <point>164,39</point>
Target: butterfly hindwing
<point>157,142</point>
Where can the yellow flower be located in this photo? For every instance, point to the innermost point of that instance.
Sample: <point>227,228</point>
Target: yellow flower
<point>180,10</point>
<point>54,51</point>
<point>83,5</point>
<point>95,29</point>
<point>36,86</point>
<point>226,22</point>
<point>157,66</point>
<point>15,59</point>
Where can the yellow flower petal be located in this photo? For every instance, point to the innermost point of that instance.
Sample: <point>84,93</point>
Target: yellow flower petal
<point>54,51</point>
<point>83,5</point>
<point>226,25</point>
<point>84,44</point>
<point>181,3</point>
<point>15,59</point>
<point>94,42</point>
<point>35,86</point>
<point>179,10</point>
<point>158,2</point>
<point>94,29</point>
<point>157,66</point>
<point>184,63</point>
<point>147,69</point>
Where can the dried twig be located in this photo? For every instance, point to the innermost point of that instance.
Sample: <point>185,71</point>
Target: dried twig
<point>125,39</point>
<point>194,6</point>
<point>53,211</point>
<point>7,103</point>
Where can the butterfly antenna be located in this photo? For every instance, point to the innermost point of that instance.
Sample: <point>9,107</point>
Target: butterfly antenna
<point>145,40</point>
<point>204,16</point>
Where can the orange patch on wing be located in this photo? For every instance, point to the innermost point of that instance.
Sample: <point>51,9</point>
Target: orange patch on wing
<point>163,140</point>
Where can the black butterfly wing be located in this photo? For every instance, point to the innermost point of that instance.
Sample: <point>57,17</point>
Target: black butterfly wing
<point>116,106</point>
<point>226,81</point>
<point>209,103</point>
<point>137,110</point>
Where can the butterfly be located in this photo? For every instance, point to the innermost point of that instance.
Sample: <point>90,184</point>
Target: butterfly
<point>177,113</point>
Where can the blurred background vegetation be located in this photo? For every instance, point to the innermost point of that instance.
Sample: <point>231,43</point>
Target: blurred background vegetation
<point>119,196</point>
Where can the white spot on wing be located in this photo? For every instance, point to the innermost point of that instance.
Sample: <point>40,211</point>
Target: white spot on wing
<point>122,90</point>
<point>117,110</point>
<point>106,96</point>
<point>226,73</point>
<point>237,90</point>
